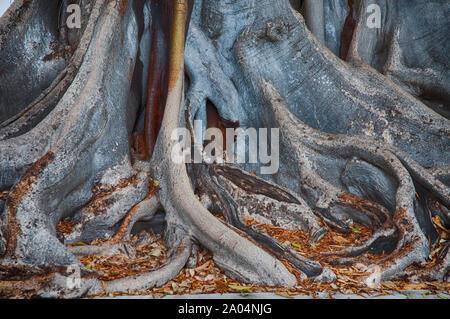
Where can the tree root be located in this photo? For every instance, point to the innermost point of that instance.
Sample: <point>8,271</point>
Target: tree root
<point>440,271</point>
<point>229,208</point>
<point>102,250</point>
<point>62,166</point>
<point>147,208</point>
<point>234,254</point>
<point>248,185</point>
<point>326,179</point>
<point>144,209</point>
<point>411,244</point>
<point>56,286</point>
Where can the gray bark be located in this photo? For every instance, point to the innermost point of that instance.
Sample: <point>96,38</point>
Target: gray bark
<point>360,139</point>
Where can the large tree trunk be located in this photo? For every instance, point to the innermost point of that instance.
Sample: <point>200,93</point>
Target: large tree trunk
<point>363,140</point>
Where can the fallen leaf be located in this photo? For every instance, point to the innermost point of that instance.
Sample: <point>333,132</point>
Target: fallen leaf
<point>80,243</point>
<point>284,294</point>
<point>156,252</point>
<point>347,291</point>
<point>295,245</point>
<point>389,285</point>
<point>340,239</point>
<point>209,277</point>
<point>241,288</point>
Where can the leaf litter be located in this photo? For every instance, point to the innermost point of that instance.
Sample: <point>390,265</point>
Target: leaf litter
<point>207,278</point>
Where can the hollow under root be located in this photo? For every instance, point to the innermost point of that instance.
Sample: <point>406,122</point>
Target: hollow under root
<point>117,244</point>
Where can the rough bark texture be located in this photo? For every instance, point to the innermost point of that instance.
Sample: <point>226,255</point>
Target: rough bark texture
<point>362,114</point>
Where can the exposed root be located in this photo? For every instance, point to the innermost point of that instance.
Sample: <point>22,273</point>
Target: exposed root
<point>229,208</point>
<point>236,255</point>
<point>50,172</point>
<point>380,234</point>
<point>332,202</point>
<point>247,185</point>
<point>70,155</point>
<point>109,207</point>
<point>440,271</point>
<point>412,246</point>
<point>145,209</point>
<point>382,225</point>
<point>100,250</point>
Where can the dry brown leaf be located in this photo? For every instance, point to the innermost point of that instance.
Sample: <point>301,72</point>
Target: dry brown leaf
<point>340,239</point>
<point>284,294</point>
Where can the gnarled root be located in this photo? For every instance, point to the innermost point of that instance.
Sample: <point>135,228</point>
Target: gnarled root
<point>75,164</point>
<point>117,244</point>
<point>236,255</point>
<point>411,244</point>
<point>229,209</point>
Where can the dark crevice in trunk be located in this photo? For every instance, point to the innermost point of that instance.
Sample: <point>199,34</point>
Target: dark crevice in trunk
<point>347,31</point>
<point>214,120</point>
<point>296,4</point>
<point>423,214</point>
<point>157,86</point>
